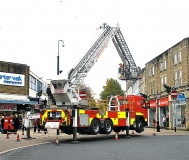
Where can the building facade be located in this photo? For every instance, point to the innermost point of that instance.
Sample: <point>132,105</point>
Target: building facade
<point>17,88</point>
<point>171,68</point>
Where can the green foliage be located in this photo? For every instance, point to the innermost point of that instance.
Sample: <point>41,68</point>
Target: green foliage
<point>168,89</point>
<point>112,87</point>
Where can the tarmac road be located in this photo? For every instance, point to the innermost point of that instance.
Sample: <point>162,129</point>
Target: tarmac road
<point>12,143</point>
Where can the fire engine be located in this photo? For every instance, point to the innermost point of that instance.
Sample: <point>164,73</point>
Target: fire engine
<point>73,114</point>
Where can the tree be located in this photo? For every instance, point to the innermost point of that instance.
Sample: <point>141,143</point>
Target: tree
<point>168,89</point>
<point>112,87</point>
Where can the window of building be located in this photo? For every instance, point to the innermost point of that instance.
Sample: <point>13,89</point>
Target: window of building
<point>175,59</point>
<point>161,66</point>
<point>39,86</point>
<point>179,57</point>
<point>164,64</point>
<point>32,83</point>
<point>180,77</point>
<point>153,71</point>
<point>176,78</point>
<point>163,80</point>
<point>152,87</point>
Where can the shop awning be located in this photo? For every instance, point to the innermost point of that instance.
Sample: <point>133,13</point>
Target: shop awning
<point>18,102</point>
<point>15,99</point>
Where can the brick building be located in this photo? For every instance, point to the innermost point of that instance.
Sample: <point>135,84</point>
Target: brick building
<point>170,68</point>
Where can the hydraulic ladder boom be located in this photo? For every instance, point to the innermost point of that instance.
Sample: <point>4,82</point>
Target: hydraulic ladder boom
<point>64,91</point>
<point>77,74</point>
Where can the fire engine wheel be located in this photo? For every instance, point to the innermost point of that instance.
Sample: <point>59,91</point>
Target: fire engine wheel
<point>95,126</point>
<point>140,126</point>
<point>108,126</point>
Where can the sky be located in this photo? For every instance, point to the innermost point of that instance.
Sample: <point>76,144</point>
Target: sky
<point>30,31</point>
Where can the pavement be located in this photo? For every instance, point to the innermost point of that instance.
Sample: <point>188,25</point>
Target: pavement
<point>15,141</point>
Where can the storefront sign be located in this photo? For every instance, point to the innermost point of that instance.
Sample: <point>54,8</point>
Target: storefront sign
<point>12,79</point>
<point>161,102</point>
<point>8,107</point>
<point>181,97</point>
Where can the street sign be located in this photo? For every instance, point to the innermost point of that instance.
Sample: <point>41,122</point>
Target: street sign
<point>174,94</point>
<point>83,94</point>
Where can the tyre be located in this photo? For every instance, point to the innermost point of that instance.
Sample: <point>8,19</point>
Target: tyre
<point>140,126</point>
<point>95,126</point>
<point>108,126</point>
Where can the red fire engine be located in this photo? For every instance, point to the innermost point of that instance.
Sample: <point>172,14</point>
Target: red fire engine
<point>101,121</point>
<point>73,113</point>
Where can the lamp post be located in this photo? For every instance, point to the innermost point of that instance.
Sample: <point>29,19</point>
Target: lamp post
<point>58,56</point>
<point>157,111</point>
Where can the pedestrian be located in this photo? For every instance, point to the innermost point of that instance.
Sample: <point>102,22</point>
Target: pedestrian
<point>45,129</point>
<point>16,123</point>
<point>164,122</point>
<point>35,125</point>
<point>183,121</point>
<point>38,125</point>
<point>23,125</point>
<point>2,125</point>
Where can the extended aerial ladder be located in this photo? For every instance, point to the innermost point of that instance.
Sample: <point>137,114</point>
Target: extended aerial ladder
<point>131,71</point>
<point>65,91</point>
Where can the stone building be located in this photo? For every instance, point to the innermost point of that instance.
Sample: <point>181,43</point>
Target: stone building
<point>172,69</point>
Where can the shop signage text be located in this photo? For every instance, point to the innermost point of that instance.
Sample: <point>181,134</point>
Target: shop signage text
<point>12,79</point>
<point>7,107</point>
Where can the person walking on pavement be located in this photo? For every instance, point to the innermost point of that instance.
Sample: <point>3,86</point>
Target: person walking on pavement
<point>164,122</point>
<point>2,124</point>
<point>38,125</point>
<point>35,125</point>
<point>16,123</point>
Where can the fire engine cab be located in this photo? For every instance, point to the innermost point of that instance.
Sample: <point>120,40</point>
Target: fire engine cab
<point>121,112</point>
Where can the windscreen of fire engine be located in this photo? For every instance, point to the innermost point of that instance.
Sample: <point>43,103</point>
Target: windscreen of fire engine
<point>54,115</point>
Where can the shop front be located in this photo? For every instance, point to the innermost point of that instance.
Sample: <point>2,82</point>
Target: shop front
<point>14,104</point>
<point>179,109</point>
<point>161,106</point>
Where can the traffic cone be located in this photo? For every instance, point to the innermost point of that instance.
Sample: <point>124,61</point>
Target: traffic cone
<point>154,134</point>
<point>133,132</point>
<point>57,142</point>
<point>116,136</point>
<point>18,137</point>
<point>7,137</point>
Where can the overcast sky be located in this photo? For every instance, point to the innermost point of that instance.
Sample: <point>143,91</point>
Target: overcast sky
<point>30,30</point>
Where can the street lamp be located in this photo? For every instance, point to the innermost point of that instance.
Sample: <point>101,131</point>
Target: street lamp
<point>157,111</point>
<point>58,56</point>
